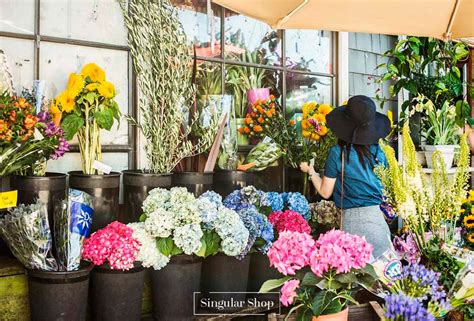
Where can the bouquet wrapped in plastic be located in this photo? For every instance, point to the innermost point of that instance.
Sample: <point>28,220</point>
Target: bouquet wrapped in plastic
<point>72,222</point>
<point>262,155</point>
<point>26,231</point>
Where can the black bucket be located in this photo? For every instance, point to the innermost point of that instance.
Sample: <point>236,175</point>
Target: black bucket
<point>222,273</point>
<point>259,272</point>
<point>50,189</point>
<point>270,179</point>
<point>136,185</point>
<point>4,187</point>
<point>106,192</point>
<point>297,181</point>
<point>225,182</point>
<point>58,296</point>
<point>196,183</point>
<point>174,287</point>
<point>115,294</point>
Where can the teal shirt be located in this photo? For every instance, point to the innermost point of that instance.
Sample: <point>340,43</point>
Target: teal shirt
<point>361,186</point>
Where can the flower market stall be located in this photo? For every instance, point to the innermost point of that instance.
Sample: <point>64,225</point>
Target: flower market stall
<point>176,173</point>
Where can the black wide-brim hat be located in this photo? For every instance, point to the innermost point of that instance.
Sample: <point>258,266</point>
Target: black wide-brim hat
<point>358,122</point>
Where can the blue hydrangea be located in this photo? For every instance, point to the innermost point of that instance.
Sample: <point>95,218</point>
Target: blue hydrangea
<point>266,232</point>
<point>402,307</point>
<point>233,200</point>
<point>275,201</point>
<point>259,227</point>
<point>250,195</point>
<point>213,197</point>
<point>297,202</point>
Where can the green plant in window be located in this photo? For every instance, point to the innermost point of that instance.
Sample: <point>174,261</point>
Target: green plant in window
<point>162,61</point>
<point>209,79</point>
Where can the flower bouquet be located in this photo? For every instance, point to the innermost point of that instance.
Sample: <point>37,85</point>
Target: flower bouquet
<point>466,221</point>
<point>27,138</point>
<point>320,276</point>
<point>87,105</point>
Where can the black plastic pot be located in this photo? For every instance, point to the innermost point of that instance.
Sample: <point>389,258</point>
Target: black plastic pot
<point>259,272</point>
<point>174,287</point>
<point>225,182</point>
<point>4,187</point>
<point>116,295</point>
<point>222,273</point>
<point>196,183</point>
<point>136,185</point>
<point>56,296</point>
<point>50,189</point>
<point>106,192</point>
<point>270,179</point>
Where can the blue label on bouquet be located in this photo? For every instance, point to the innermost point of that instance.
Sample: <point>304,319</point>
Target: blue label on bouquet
<point>81,218</point>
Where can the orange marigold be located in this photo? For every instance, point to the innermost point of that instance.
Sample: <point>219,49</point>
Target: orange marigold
<point>269,114</point>
<point>246,130</point>
<point>261,120</point>
<point>30,121</point>
<point>257,128</point>
<point>260,109</point>
<point>248,120</point>
<point>272,97</point>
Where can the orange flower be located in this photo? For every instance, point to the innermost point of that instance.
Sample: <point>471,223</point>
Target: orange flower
<point>305,124</point>
<point>306,134</point>
<point>323,130</point>
<point>30,121</point>
<point>241,130</point>
<point>28,134</point>
<point>292,122</point>
<point>260,120</point>
<point>22,102</point>
<point>253,114</point>
<point>248,120</point>
<point>324,109</point>
<point>273,111</point>
<point>246,130</point>
<point>269,114</point>
<point>264,101</point>
<point>3,126</point>
<point>272,97</point>
<point>315,136</point>
<point>260,109</point>
<point>257,128</point>
<point>13,115</point>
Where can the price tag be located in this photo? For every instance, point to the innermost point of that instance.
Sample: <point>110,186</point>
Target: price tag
<point>101,167</point>
<point>8,199</point>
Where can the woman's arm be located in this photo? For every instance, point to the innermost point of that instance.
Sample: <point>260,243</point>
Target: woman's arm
<point>324,186</point>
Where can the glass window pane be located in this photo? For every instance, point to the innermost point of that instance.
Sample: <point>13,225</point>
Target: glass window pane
<point>58,60</point>
<point>309,50</point>
<point>208,78</point>
<point>301,88</point>
<point>238,84</point>
<point>250,40</point>
<point>17,16</point>
<point>19,54</point>
<point>93,20</point>
<point>198,28</point>
<point>72,162</point>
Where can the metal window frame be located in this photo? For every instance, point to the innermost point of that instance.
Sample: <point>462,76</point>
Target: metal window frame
<point>38,38</point>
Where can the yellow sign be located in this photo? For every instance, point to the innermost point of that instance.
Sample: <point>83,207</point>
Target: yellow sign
<point>8,199</point>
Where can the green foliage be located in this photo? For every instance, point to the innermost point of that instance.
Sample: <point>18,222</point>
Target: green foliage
<point>212,243</point>
<point>442,262</point>
<point>269,285</point>
<point>167,247</point>
<point>71,125</point>
<point>162,61</point>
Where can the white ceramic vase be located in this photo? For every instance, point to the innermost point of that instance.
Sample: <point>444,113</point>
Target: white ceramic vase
<point>447,152</point>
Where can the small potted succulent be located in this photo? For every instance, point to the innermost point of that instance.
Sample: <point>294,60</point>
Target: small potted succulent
<point>117,278</point>
<point>88,106</point>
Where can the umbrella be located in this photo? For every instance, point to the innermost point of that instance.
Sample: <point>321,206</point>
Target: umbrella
<point>442,19</point>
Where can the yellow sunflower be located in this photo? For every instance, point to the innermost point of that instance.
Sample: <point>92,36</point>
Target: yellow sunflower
<point>107,89</point>
<point>471,196</point>
<point>470,238</point>
<point>306,134</point>
<point>75,84</point>
<point>95,73</point>
<point>469,221</point>
<point>324,109</point>
<point>319,117</point>
<point>93,86</point>
<point>66,101</point>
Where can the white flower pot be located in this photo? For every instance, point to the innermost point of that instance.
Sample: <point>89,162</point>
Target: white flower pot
<point>447,152</point>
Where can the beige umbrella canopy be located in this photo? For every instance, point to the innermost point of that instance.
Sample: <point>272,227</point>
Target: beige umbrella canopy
<point>442,19</point>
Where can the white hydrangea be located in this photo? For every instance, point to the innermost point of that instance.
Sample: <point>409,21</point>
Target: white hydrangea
<point>188,238</point>
<point>232,231</point>
<point>157,198</point>
<point>160,223</point>
<point>207,210</point>
<point>148,254</point>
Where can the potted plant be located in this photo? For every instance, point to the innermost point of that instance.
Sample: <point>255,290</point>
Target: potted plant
<point>438,128</point>
<point>319,283</point>
<point>164,100</point>
<point>58,285</point>
<point>117,278</point>
<point>27,140</point>
<point>87,106</point>
<point>246,84</point>
<point>176,231</point>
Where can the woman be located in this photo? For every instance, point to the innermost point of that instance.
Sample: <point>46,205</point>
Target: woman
<point>349,173</point>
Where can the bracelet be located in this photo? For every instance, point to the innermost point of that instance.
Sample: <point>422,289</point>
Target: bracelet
<point>311,174</point>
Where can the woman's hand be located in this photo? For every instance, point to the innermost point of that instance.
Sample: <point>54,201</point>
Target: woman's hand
<point>305,167</point>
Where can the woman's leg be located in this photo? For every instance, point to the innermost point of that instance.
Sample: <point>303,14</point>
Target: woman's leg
<point>370,223</point>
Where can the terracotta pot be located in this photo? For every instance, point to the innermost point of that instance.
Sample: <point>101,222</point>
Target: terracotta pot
<point>340,316</point>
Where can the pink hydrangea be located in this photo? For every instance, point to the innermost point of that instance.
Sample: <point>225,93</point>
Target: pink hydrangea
<point>291,252</point>
<point>113,243</point>
<point>289,221</point>
<point>288,292</point>
<point>340,251</point>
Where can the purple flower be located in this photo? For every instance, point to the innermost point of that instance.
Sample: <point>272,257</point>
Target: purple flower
<point>401,307</point>
<point>63,147</point>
